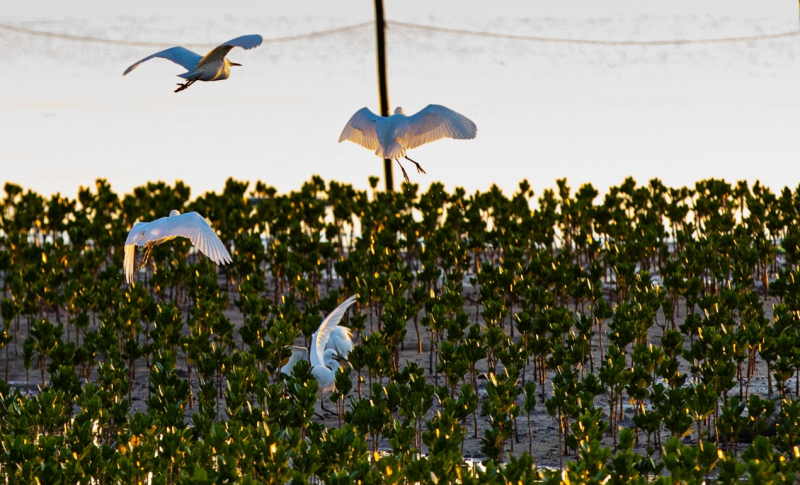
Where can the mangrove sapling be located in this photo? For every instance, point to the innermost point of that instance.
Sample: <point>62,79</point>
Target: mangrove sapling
<point>301,389</point>
<point>416,397</point>
<point>169,393</point>
<point>623,466</point>
<point>501,407</point>
<point>453,365</point>
<point>528,406</point>
<point>731,422</point>
<point>45,337</point>
<point>371,416</point>
<point>759,412</point>
<point>343,384</point>
<point>702,403</point>
<point>689,464</point>
<point>787,430</point>
<point>615,375</point>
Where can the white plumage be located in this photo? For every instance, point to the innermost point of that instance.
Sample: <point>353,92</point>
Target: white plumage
<point>329,343</point>
<point>213,67</point>
<point>190,225</point>
<point>391,136</point>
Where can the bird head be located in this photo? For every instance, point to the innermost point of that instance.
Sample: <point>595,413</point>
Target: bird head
<point>338,358</point>
<point>399,111</point>
<point>174,213</point>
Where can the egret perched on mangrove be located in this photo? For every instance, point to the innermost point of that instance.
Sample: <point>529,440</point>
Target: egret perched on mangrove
<point>330,344</point>
<point>213,67</point>
<point>190,225</point>
<point>391,136</point>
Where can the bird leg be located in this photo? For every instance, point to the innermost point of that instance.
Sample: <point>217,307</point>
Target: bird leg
<point>419,167</point>
<point>322,405</point>
<point>185,85</point>
<point>145,257</point>
<point>404,171</point>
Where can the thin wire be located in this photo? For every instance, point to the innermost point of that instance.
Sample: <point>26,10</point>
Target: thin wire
<point>430,28</point>
<point>129,43</point>
<point>475,33</point>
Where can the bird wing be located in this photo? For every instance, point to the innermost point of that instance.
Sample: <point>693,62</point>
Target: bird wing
<point>435,122</point>
<point>298,354</point>
<point>135,236</point>
<point>193,226</point>
<point>340,340</point>
<point>323,333</point>
<point>361,129</point>
<point>218,53</point>
<point>178,55</point>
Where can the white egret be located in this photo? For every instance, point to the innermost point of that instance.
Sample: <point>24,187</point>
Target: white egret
<point>213,67</point>
<point>329,344</point>
<point>391,136</point>
<point>190,225</point>
<point>340,341</point>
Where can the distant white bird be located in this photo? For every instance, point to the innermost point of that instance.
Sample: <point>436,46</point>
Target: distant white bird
<point>213,67</point>
<point>329,344</point>
<point>391,136</point>
<point>190,225</point>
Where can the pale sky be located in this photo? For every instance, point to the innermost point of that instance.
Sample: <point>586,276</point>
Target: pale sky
<point>544,111</point>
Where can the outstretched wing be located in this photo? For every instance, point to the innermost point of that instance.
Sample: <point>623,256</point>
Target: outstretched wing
<point>340,340</point>
<point>361,129</point>
<point>193,226</point>
<point>134,238</point>
<point>178,55</point>
<point>298,354</point>
<point>218,53</point>
<point>323,333</point>
<point>433,123</point>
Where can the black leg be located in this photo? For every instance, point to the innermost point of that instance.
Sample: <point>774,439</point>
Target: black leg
<point>185,85</point>
<point>419,167</point>
<point>404,171</point>
<point>322,405</point>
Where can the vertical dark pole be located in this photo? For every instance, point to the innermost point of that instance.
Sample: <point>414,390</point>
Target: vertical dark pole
<point>383,90</point>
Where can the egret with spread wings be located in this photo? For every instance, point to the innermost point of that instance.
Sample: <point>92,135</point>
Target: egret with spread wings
<point>391,136</point>
<point>213,67</point>
<point>190,225</point>
<point>330,344</point>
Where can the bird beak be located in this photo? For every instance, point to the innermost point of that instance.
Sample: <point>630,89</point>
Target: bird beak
<point>341,359</point>
<point>235,64</point>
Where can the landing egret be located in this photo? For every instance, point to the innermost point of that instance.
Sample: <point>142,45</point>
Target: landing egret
<point>213,67</point>
<point>391,136</point>
<point>330,344</point>
<point>340,341</point>
<point>190,225</point>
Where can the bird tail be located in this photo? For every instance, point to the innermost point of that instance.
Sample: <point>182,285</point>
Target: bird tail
<point>392,151</point>
<point>130,259</point>
<point>189,75</point>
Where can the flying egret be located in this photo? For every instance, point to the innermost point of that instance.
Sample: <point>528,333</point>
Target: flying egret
<point>213,67</point>
<point>330,344</point>
<point>190,225</point>
<point>391,136</point>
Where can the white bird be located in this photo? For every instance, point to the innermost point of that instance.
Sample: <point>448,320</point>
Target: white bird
<point>329,344</point>
<point>213,67</point>
<point>391,136</point>
<point>190,225</point>
<point>339,341</point>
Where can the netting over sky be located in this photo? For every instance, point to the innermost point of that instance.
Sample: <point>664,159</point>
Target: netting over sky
<point>595,98</point>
